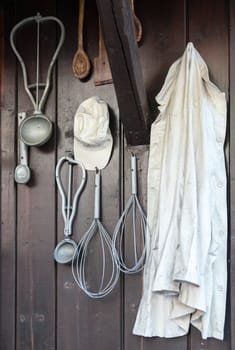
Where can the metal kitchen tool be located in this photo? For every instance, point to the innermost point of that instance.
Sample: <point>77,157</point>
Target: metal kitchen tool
<point>134,208</point>
<point>102,72</point>
<point>36,129</point>
<point>81,63</point>
<point>108,279</point>
<point>66,248</point>
<point>22,171</point>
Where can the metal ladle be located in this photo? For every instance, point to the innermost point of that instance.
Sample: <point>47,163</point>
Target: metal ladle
<point>36,129</point>
<point>66,248</point>
<point>22,171</point>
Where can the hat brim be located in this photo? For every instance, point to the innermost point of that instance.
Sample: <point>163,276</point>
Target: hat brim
<point>93,157</point>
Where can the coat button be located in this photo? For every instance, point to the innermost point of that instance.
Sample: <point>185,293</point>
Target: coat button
<point>219,139</point>
<point>220,184</point>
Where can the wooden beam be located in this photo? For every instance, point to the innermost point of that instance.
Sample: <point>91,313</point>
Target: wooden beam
<point>119,37</point>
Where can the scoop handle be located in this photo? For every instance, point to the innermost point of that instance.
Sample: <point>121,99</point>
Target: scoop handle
<point>134,174</point>
<point>97,195</point>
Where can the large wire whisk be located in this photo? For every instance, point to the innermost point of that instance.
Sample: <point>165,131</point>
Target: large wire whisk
<point>79,263</point>
<point>134,210</point>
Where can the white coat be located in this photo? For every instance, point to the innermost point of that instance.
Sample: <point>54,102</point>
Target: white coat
<point>185,275</point>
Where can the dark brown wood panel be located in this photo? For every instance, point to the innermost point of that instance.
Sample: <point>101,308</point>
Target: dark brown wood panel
<point>231,291</point>
<point>119,37</point>
<point>159,26</point>
<point>35,201</point>
<point>83,322</point>
<point>40,304</point>
<point>8,217</point>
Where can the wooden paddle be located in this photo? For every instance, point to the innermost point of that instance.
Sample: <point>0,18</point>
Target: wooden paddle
<point>102,73</point>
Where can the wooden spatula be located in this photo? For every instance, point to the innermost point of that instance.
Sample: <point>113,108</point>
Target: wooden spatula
<point>102,73</point>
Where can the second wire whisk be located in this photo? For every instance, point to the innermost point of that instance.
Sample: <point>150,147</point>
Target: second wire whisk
<point>136,230</point>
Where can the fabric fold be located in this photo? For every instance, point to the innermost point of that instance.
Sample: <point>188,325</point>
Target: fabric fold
<point>185,274</point>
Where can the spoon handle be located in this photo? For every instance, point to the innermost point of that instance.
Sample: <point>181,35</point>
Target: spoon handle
<point>137,23</point>
<point>80,23</point>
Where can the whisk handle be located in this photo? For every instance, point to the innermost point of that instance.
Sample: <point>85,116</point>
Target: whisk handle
<point>134,174</point>
<point>97,195</point>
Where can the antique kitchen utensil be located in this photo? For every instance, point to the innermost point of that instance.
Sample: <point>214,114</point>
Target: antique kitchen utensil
<point>81,63</point>
<point>137,23</point>
<point>109,270</point>
<point>102,72</point>
<point>137,217</point>
<point>66,248</point>
<point>22,171</point>
<point>36,129</point>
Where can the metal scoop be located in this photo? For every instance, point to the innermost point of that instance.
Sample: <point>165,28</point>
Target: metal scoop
<point>66,248</point>
<point>22,171</point>
<point>36,129</point>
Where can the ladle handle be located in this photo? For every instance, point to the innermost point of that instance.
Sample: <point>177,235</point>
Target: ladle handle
<point>134,174</point>
<point>67,228</point>
<point>97,195</point>
<point>80,23</point>
<point>23,148</point>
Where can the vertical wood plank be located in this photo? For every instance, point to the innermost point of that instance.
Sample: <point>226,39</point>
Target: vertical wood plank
<point>84,323</point>
<point>163,42</point>
<point>8,217</point>
<point>35,201</point>
<point>208,30</point>
<point>232,172</point>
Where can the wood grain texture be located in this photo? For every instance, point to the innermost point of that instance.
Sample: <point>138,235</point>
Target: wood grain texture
<point>8,198</point>
<point>41,307</point>
<point>163,41</point>
<point>35,202</point>
<point>85,323</point>
<point>119,37</point>
<point>231,291</point>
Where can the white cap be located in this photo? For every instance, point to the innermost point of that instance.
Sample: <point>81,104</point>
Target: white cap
<point>92,137</point>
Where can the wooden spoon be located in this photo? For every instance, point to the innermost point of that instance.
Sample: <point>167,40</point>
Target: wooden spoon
<point>81,62</point>
<point>137,23</point>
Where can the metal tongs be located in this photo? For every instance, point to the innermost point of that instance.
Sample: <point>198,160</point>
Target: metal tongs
<point>66,248</point>
<point>36,129</point>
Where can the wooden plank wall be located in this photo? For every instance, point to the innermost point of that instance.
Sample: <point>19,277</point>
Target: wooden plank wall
<point>41,307</point>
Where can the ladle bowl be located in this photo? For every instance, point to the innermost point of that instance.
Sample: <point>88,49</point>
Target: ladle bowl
<point>65,250</point>
<point>35,130</point>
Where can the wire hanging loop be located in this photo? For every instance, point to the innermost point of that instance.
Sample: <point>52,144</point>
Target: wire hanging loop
<point>109,271</point>
<point>138,229</point>
<point>37,105</point>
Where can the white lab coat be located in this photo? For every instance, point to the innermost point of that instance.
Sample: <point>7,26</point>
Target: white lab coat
<point>185,275</point>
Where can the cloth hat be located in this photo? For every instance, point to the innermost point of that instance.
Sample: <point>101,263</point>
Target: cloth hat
<point>92,137</point>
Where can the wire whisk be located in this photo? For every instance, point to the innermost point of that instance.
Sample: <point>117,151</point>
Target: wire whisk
<point>139,225</point>
<point>80,259</point>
